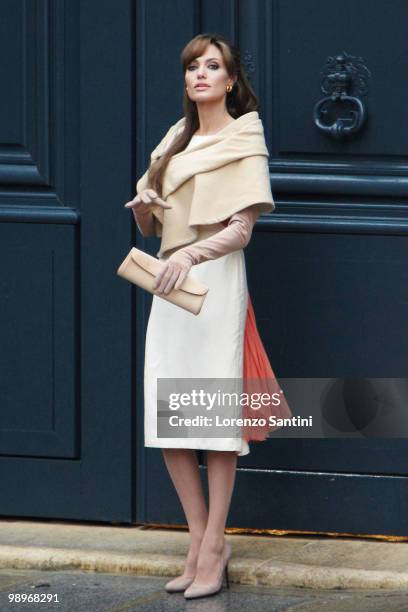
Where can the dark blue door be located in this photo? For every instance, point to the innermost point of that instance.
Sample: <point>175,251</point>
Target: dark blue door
<point>89,88</point>
<point>331,298</point>
<point>67,321</point>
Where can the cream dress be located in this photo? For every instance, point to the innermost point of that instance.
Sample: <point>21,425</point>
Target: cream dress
<point>209,345</point>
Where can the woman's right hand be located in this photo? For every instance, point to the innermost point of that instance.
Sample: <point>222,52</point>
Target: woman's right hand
<point>145,200</point>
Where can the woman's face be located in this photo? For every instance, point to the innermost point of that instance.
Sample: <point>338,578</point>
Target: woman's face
<point>210,72</point>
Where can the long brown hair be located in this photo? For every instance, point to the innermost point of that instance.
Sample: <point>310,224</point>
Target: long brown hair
<point>240,100</point>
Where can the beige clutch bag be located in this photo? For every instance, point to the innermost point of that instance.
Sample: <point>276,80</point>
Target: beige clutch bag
<point>141,268</point>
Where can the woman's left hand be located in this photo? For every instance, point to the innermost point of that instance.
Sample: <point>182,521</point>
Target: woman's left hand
<point>176,268</point>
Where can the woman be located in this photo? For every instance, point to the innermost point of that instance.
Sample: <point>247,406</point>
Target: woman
<point>207,183</point>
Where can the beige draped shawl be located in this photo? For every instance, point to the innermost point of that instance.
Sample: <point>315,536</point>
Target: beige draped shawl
<point>211,180</point>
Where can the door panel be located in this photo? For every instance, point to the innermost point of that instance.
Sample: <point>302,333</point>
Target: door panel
<point>67,337</point>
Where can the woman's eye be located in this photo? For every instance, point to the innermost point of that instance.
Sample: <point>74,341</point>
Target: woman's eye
<point>191,67</point>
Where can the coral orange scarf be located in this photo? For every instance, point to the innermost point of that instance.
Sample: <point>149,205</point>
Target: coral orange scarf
<point>258,377</point>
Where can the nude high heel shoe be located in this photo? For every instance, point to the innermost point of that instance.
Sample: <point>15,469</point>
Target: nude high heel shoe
<point>179,584</point>
<point>203,590</point>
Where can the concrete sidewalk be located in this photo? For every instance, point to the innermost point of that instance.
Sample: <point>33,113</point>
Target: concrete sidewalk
<point>319,562</point>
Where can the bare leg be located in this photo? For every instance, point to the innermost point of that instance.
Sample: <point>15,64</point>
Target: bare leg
<point>221,479</point>
<point>182,464</point>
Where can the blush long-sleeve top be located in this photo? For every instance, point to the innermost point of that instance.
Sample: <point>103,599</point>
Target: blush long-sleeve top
<point>234,236</point>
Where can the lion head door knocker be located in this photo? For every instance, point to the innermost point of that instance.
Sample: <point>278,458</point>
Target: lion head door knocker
<point>341,112</point>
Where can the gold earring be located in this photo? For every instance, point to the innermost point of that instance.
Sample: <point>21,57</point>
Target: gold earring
<point>229,88</point>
